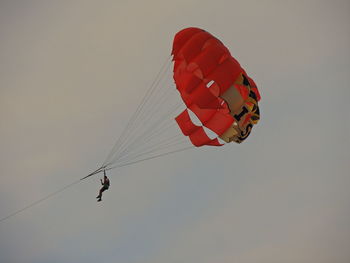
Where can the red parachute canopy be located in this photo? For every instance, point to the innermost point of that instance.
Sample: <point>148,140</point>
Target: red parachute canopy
<point>214,87</point>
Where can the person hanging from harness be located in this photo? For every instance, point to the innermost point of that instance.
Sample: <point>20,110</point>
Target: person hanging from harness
<point>105,185</point>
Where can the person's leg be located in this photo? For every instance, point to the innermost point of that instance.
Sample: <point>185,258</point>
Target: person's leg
<point>100,193</point>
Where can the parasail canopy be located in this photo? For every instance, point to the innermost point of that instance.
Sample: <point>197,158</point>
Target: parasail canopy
<point>214,88</point>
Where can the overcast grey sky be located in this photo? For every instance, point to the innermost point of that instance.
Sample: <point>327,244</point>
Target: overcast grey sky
<point>72,73</point>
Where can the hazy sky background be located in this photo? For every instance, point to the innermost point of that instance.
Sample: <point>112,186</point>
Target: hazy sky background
<point>72,73</point>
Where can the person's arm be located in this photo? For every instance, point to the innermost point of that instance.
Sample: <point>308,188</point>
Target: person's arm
<point>104,173</point>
